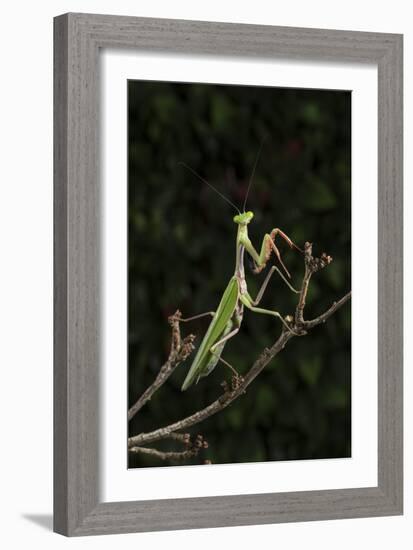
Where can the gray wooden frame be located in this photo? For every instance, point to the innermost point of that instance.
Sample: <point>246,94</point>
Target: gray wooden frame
<point>78,39</point>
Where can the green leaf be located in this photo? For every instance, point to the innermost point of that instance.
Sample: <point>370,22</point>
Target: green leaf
<point>221,112</point>
<point>310,370</point>
<point>165,107</point>
<point>336,398</point>
<point>311,113</point>
<point>234,417</point>
<point>320,197</point>
<point>335,274</point>
<point>265,402</point>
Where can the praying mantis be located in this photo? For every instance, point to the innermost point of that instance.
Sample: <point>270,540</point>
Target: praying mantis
<point>226,320</point>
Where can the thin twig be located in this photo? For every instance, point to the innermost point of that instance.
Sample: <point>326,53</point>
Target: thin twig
<point>240,384</point>
<point>180,350</point>
<point>323,318</point>
<point>182,438</point>
<point>169,455</point>
<point>192,447</point>
<point>311,266</point>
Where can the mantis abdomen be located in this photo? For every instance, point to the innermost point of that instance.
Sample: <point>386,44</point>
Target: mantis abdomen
<point>214,357</point>
<point>227,317</point>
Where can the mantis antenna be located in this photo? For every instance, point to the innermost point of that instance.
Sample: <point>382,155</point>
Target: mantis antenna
<point>253,172</point>
<point>209,185</point>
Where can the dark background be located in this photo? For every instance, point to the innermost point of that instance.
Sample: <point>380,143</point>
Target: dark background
<point>182,255</point>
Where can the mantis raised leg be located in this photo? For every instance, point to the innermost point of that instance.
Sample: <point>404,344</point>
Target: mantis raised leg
<point>267,246</point>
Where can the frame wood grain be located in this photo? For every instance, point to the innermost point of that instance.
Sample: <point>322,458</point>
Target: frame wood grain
<point>78,39</point>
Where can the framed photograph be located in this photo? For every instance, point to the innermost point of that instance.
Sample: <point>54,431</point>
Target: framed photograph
<point>228,274</point>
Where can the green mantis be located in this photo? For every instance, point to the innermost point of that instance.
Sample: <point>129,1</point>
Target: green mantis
<point>226,320</point>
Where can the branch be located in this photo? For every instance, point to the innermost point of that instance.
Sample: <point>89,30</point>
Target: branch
<point>180,350</point>
<point>219,404</point>
<point>299,327</point>
<point>170,455</point>
<point>311,266</point>
<point>191,448</point>
<point>323,318</point>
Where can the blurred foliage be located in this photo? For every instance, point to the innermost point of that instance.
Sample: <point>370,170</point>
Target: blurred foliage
<point>181,250</point>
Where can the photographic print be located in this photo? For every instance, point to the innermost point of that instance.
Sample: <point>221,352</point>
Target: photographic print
<point>239,274</point>
<point>245,208</point>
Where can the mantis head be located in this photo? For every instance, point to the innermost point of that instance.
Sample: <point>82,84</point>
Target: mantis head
<point>244,218</point>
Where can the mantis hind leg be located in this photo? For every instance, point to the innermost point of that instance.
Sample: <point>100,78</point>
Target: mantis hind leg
<point>233,370</point>
<point>224,339</point>
<point>237,378</point>
<point>217,354</point>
